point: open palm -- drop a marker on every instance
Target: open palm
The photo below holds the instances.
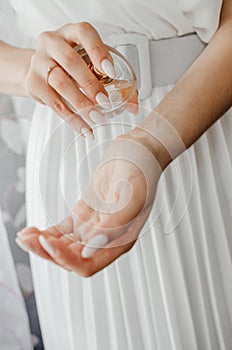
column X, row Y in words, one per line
column 107, row 220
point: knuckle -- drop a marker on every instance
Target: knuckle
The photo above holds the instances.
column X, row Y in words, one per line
column 84, row 26
column 45, row 36
column 71, row 120
column 82, row 105
column 69, row 57
column 91, row 84
column 65, row 27
column 56, row 79
column 97, row 49
column 58, row 106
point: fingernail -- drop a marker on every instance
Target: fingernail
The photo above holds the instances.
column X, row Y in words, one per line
column 23, row 246
column 87, row 133
column 96, row 117
column 46, row 245
column 108, row 68
column 93, row 245
column 103, row 100
column 23, row 230
column 19, row 234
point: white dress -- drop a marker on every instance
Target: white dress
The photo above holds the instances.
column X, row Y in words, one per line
column 172, row 291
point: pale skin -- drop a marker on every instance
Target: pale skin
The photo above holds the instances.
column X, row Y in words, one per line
column 200, row 97
column 28, row 73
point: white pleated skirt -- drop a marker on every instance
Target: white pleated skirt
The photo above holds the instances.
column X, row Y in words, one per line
column 173, row 290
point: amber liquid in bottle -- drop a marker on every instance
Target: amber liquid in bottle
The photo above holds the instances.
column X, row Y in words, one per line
column 121, row 89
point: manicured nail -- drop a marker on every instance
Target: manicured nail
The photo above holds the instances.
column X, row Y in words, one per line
column 108, row 68
column 87, row 133
column 93, row 245
column 103, row 100
column 25, row 247
column 46, row 245
column 19, row 234
column 96, row 117
column 24, row 230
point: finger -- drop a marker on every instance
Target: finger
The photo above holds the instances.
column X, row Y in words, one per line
column 84, row 216
column 101, row 234
column 29, row 240
column 86, row 35
column 66, row 87
column 133, row 106
column 53, row 100
column 68, row 255
column 31, row 237
column 101, row 228
column 33, row 244
column 133, row 231
column 76, row 67
column 125, row 235
column 106, row 256
column 63, row 247
column 63, row 252
column 30, row 243
column 62, row 228
column 116, row 248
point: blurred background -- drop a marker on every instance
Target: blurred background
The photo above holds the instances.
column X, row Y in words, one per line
column 18, row 314
column 19, row 325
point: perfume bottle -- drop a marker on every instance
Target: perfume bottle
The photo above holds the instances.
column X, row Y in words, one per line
column 122, row 88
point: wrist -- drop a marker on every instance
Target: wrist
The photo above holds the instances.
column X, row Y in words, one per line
column 15, row 63
column 160, row 137
column 26, row 55
column 156, row 148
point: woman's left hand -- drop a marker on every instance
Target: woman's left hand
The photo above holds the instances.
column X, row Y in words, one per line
column 108, row 218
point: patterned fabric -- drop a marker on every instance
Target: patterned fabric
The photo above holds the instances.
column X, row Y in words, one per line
column 13, row 139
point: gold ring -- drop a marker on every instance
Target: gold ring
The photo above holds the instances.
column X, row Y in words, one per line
column 49, row 70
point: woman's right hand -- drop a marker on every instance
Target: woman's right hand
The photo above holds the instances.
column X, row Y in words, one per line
column 57, row 70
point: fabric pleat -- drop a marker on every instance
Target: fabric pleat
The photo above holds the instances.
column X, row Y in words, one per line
column 172, row 291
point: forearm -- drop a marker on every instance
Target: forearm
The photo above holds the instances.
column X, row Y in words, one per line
column 14, row 63
column 200, row 97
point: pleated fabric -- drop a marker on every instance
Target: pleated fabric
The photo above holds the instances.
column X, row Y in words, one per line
column 172, row 291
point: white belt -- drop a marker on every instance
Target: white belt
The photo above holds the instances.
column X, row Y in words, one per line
column 157, row 62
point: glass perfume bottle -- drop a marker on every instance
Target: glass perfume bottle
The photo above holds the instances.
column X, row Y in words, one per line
column 122, row 88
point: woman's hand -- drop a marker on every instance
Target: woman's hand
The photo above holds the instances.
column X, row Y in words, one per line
column 108, row 219
column 57, row 71
column 187, row 111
